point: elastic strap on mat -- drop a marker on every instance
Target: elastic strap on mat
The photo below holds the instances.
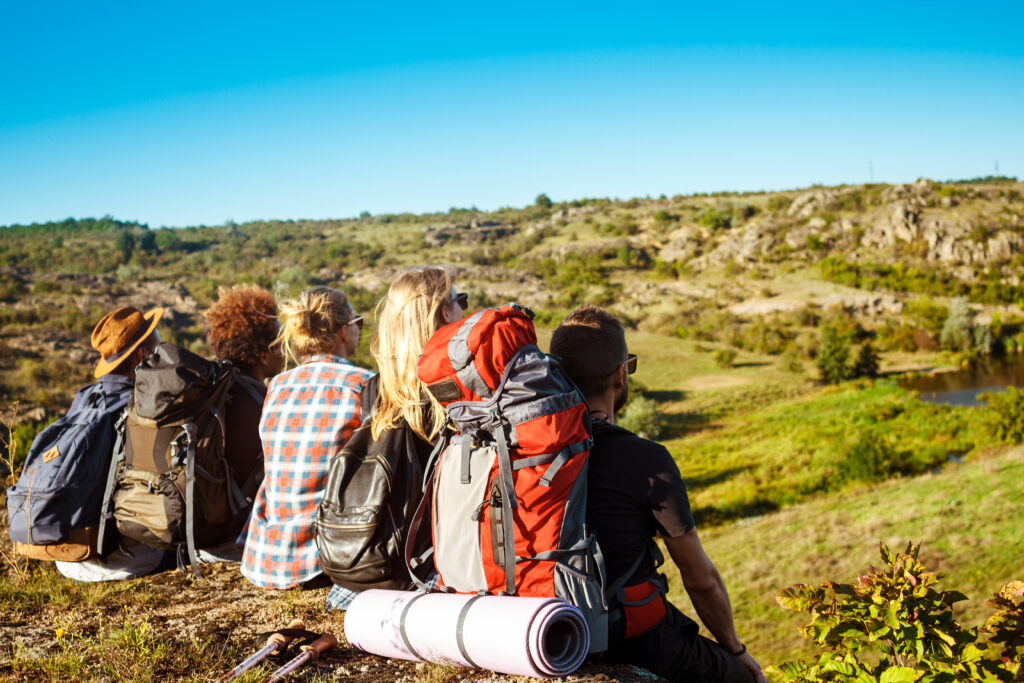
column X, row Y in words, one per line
column 401, row 626
column 459, row 631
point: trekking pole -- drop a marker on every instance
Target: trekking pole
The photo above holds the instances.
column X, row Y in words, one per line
column 309, row 653
column 275, row 643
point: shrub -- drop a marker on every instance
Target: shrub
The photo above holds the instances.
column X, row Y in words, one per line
column 893, row 626
column 960, row 333
column 1004, row 414
column 716, row 219
column 833, row 359
column 866, row 364
column 870, row 458
column 543, row 201
column 724, row 358
column 641, row 417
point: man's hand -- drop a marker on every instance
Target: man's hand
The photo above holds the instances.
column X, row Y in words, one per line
column 754, row 667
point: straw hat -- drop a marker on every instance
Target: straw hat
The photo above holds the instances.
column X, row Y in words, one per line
column 119, row 333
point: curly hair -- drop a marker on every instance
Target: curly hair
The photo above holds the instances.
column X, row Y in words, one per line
column 243, row 325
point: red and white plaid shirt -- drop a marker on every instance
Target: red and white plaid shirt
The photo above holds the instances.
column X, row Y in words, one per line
column 309, row 413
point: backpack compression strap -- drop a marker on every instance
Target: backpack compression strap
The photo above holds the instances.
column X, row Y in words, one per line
column 190, row 498
column 108, row 491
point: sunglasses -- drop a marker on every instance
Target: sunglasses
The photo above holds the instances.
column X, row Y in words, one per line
column 630, row 363
column 357, row 321
column 462, row 299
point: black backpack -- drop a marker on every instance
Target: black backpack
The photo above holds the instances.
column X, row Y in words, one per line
column 174, row 489
column 54, row 509
column 372, row 492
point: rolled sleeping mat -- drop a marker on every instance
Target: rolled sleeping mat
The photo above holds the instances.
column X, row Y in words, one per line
column 540, row 637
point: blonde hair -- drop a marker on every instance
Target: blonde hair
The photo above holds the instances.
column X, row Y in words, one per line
column 309, row 323
column 406, row 318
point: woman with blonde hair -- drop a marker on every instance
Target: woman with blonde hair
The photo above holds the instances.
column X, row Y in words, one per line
column 419, row 302
column 309, row 412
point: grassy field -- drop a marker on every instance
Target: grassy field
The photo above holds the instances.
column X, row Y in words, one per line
column 966, row 516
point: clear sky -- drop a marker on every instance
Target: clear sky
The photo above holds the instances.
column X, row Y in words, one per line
column 187, row 113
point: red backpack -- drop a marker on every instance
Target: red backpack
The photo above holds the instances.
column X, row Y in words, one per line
column 509, row 491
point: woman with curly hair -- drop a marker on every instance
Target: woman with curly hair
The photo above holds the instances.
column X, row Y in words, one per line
column 310, row 411
column 419, row 302
column 243, row 327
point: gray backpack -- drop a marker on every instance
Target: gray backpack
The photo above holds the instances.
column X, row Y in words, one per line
column 174, row 489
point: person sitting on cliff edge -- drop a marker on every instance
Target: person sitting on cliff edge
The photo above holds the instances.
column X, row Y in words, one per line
column 635, row 491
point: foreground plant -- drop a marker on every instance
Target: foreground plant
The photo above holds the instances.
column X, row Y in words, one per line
column 894, row 626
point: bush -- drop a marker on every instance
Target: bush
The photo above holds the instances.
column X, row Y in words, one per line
column 641, row 417
column 833, row 359
column 894, row 626
column 724, row 358
column 961, row 333
column 1004, row 414
column 870, row 458
column 866, row 364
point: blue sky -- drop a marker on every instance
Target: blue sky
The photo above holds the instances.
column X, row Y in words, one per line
column 191, row 113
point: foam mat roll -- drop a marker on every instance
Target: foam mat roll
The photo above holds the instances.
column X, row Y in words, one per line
column 541, row 637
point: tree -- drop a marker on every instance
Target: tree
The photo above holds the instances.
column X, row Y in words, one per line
column 958, row 330
column 125, row 243
column 834, row 355
column 867, row 361
column 543, row 201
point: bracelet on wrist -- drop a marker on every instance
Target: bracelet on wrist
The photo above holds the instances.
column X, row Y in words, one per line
column 742, row 651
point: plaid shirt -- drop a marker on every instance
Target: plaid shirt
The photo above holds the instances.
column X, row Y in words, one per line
column 309, row 413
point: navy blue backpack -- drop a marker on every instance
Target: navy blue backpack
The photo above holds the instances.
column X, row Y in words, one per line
column 54, row 509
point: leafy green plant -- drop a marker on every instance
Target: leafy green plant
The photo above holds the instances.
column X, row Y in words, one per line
column 834, row 355
column 1004, row 414
column 724, row 358
column 893, row 625
column 641, row 417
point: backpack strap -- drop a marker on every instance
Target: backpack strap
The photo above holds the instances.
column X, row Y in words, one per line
column 615, row 590
column 249, row 384
column 413, row 563
column 190, row 499
column 508, row 501
column 108, row 491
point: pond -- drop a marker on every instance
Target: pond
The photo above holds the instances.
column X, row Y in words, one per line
column 961, row 388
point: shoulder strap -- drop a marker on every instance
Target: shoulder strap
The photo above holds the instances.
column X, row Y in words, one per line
column 115, row 463
column 249, row 384
column 190, row 496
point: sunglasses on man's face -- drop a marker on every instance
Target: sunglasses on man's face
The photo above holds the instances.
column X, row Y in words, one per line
column 630, row 363
column 357, row 321
column 462, row 299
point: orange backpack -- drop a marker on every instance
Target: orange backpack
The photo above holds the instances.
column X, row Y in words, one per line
column 508, row 493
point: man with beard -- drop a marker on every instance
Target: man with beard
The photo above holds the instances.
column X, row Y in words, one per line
column 635, row 491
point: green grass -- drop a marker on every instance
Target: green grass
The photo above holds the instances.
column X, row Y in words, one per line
column 777, row 454
column 967, row 518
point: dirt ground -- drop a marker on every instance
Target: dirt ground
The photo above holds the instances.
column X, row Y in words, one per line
column 228, row 611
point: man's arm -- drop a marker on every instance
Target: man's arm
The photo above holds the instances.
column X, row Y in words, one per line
column 707, row 591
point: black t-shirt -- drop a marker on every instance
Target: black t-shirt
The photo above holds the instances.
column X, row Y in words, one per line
column 634, row 491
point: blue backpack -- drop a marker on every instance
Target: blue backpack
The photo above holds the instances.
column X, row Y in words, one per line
column 54, row 509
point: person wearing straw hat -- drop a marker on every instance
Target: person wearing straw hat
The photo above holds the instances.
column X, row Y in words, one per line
column 124, row 338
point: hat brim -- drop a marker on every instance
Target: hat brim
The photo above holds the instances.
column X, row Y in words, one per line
column 153, row 317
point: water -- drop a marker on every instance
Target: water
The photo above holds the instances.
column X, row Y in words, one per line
column 961, row 388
